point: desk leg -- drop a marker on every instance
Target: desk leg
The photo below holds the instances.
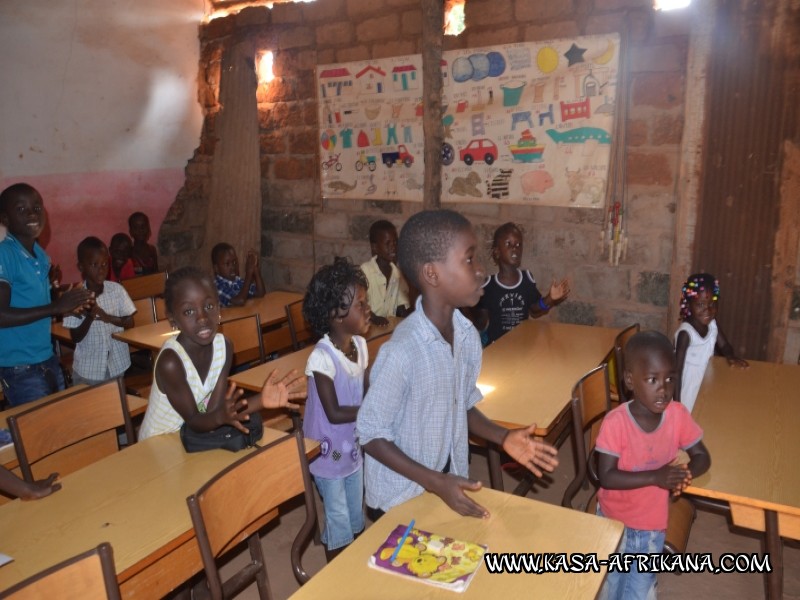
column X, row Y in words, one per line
column 774, row 548
column 495, row 470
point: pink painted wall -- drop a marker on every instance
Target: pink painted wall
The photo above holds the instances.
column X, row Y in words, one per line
column 83, row 204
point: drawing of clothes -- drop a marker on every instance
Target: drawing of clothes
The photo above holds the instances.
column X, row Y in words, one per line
column 407, row 135
column 347, row 135
column 391, row 134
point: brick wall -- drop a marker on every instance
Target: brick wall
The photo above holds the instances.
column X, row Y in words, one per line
column 301, row 232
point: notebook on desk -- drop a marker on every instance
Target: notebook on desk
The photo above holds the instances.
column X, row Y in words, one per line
column 429, row 558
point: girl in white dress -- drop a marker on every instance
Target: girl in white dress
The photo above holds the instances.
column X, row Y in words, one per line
column 698, row 337
column 190, row 382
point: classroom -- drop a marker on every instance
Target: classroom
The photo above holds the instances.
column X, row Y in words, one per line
column 287, row 129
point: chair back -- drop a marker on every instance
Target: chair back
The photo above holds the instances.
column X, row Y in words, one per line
column 301, row 333
column 145, row 312
column 160, row 306
column 375, row 344
column 245, row 335
column 590, row 403
column 88, row 576
column 619, row 360
column 146, row 285
column 239, row 500
column 71, row 431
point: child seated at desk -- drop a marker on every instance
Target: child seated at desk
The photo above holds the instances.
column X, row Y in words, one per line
column 510, row 296
column 121, row 264
column 420, row 409
column 98, row 356
column 190, row 382
column 232, row 289
column 637, row 445
column 144, row 255
column 388, row 290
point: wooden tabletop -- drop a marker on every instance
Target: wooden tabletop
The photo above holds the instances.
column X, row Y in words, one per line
column 134, row 499
column 528, row 374
column 8, row 457
column 516, row 525
column 751, row 424
column 253, row 379
column 270, row 309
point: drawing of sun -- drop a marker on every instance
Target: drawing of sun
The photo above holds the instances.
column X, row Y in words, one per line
column 547, row 59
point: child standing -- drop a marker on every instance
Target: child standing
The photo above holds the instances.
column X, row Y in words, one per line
column 121, row 250
column 698, row 336
column 510, row 296
column 335, row 306
column 191, row 371
column 420, row 408
column 637, row 445
column 232, row 289
column 98, row 356
column 28, row 367
column 144, row 255
column 388, row 290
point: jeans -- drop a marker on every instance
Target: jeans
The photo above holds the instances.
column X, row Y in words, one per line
column 343, row 503
column 26, row 383
column 633, row 585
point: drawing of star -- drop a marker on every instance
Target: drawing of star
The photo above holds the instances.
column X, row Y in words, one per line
column 574, row 55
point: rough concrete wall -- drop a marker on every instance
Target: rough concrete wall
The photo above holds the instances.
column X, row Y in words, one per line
column 301, row 232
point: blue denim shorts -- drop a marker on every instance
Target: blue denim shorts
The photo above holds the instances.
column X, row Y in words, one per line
column 633, row 585
column 343, row 503
column 26, row 383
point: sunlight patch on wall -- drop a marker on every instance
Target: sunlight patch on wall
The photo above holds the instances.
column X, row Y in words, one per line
column 223, row 8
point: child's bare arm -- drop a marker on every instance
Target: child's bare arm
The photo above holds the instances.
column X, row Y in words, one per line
column 728, row 352
column 73, row 299
column 699, row 459
column 519, row 444
column 261, row 289
column 668, row 477
column 449, row 488
column 681, row 346
column 557, row 294
column 13, row 485
column 335, row 413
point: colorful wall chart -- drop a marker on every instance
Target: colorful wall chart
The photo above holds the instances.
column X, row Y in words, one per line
column 528, row 123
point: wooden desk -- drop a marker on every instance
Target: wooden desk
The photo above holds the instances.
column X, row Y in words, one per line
column 134, row 499
column 528, row 375
column 253, row 379
column 270, row 309
column 751, row 421
column 8, row 456
column 516, row 525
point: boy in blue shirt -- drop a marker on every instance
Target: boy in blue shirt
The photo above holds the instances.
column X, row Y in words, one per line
column 28, row 368
column 232, row 289
column 420, row 409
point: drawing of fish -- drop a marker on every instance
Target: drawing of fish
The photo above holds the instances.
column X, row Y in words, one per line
column 580, row 135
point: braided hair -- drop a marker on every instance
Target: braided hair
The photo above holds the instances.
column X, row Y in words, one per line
column 696, row 283
column 330, row 293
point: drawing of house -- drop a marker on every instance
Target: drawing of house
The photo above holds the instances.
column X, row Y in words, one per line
column 335, row 82
column 404, row 78
column 370, row 79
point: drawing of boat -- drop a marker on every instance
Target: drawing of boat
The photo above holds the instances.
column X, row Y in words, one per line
column 526, row 149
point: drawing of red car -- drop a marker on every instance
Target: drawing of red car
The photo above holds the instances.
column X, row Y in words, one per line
column 480, row 150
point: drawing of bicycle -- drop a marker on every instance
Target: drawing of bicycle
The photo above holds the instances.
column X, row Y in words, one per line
column 333, row 161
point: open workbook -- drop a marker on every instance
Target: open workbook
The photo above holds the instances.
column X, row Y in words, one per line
column 429, row 558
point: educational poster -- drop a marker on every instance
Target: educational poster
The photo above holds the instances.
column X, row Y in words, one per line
column 527, row 123
column 370, row 135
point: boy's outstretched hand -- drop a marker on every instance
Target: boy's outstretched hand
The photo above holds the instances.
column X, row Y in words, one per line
column 451, row 489
column 559, row 290
column 277, row 391
column 533, row 454
column 41, row 488
column 234, row 407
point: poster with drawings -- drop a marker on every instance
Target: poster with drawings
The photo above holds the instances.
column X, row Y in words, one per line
column 525, row 123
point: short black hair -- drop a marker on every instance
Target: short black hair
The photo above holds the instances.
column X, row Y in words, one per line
column 180, row 275
column 427, row 237
column 88, row 244
column 503, row 230
column 379, row 226
column 118, row 238
column 218, row 251
column 330, row 293
column 646, row 342
column 13, row 192
column 137, row 215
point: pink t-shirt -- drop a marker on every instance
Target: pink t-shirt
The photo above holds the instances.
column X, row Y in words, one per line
column 620, row 435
